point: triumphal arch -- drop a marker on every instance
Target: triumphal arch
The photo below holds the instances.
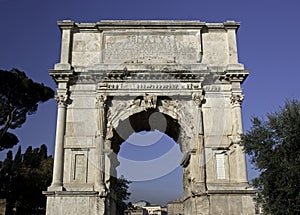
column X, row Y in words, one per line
column 182, row 78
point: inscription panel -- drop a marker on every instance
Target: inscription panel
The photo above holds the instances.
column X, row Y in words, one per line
column 153, row 86
column 152, row 47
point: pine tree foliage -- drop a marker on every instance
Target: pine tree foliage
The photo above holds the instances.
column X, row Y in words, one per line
column 274, row 147
column 19, row 97
column 23, row 179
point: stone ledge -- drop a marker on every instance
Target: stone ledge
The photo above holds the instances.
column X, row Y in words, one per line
column 229, row 192
column 147, row 24
column 159, row 67
column 71, row 193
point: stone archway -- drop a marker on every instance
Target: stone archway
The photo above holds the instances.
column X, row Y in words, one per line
column 146, row 120
column 140, row 116
column 113, row 76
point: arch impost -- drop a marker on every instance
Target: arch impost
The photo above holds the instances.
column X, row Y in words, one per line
column 108, row 151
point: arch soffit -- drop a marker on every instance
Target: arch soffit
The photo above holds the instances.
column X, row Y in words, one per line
column 123, row 113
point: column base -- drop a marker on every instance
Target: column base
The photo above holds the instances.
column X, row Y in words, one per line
column 75, row 203
column 226, row 202
column 55, row 187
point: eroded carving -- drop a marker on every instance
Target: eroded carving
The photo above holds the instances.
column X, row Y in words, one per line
column 150, row 101
column 236, row 99
column 198, row 98
column 145, row 47
column 62, row 100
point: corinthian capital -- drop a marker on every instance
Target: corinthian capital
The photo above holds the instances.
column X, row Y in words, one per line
column 236, row 99
column 61, row 100
column 198, row 98
column 100, row 101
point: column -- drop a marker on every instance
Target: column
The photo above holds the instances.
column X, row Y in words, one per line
column 236, row 101
column 237, row 131
column 100, row 157
column 198, row 151
column 61, row 98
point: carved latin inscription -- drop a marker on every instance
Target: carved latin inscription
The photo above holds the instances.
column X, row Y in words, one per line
column 161, row 47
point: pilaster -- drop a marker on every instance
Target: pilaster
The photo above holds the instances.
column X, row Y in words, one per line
column 100, row 153
column 236, row 78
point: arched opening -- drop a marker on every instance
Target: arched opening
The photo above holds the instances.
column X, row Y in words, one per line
column 151, row 160
column 148, row 152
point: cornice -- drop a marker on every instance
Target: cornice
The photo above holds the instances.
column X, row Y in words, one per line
column 66, row 24
column 146, row 24
column 230, row 24
column 61, row 75
column 150, row 24
column 121, row 76
column 234, row 75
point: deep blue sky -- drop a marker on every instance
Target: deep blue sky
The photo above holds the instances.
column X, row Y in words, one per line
column 268, row 42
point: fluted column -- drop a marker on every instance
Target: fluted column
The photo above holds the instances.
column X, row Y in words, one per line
column 57, row 181
column 237, row 131
column 100, row 157
column 198, row 151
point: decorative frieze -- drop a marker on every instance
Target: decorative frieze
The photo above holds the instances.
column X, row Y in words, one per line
column 124, row 76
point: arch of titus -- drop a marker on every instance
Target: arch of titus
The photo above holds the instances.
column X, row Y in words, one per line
column 182, row 78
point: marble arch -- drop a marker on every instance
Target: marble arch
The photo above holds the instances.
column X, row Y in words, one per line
column 180, row 77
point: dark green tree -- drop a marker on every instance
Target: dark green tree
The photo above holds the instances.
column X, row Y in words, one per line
column 18, row 160
column 23, row 180
column 274, row 147
column 19, row 97
column 121, row 192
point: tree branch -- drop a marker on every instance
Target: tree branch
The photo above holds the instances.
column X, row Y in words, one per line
column 8, row 122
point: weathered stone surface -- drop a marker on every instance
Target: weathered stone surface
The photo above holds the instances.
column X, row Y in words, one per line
column 180, row 77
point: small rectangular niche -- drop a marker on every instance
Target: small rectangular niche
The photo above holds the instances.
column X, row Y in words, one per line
column 79, row 173
column 79, row 165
